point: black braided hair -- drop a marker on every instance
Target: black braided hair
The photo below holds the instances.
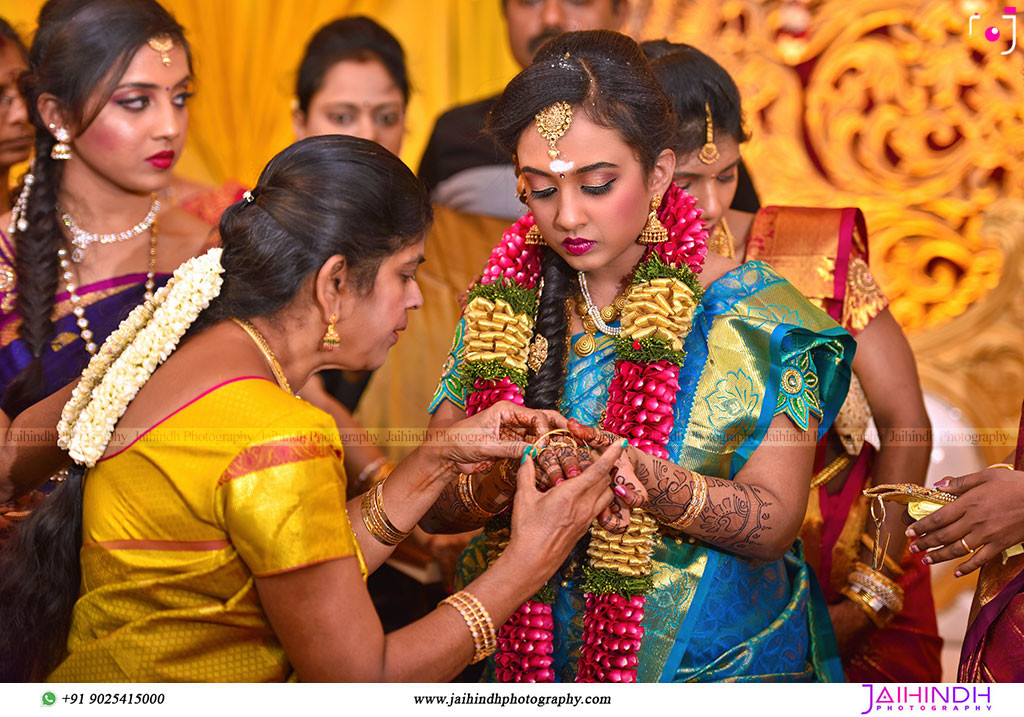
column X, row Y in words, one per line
column 80, row 51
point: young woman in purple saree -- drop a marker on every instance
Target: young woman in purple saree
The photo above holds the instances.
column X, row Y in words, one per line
column 86, row 242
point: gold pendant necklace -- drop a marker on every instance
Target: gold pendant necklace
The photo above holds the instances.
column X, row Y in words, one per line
column 587, row 343
column 268, row 354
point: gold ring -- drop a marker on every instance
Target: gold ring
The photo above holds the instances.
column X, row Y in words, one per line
column 1007, row 466
column 966, row 546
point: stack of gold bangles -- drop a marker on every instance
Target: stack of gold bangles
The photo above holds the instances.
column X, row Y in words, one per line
column 464, row 489
column 873, row 592
column 376, row 519
column 699, row 485
column 485, row 638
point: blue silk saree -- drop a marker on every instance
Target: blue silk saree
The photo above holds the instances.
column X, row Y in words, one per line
column 758, row 348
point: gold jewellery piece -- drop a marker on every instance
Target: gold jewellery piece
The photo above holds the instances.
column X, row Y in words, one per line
column 533, row 236
column 1006, row 466
column 552, row 123
column 376, row 520
column 268, row 354
column 721, row 241
column 478, row 620
column 464, row 489
column 162, row 44
column 538, row 353
column 595, row 319
column 709, row 152
column 654, row 232
column 880, row 597
column 699, row 485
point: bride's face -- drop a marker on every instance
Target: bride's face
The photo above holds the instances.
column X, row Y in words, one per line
column 592, row 201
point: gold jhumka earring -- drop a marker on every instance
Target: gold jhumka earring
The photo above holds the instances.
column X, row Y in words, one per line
column 654, row 232
column 162, row 44
column 61, row 150
column 709, row 152
column 533, row 237
column 331, row 340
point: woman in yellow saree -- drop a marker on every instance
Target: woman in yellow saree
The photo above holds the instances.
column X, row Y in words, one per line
column 215, row 539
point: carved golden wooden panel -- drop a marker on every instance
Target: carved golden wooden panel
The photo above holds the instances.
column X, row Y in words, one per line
column 898, row 108
column 887, row 105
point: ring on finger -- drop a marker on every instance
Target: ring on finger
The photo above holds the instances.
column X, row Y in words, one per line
column 967, row 547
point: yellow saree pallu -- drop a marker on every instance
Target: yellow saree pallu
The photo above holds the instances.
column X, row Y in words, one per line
column 245, row 481
column 824, row 254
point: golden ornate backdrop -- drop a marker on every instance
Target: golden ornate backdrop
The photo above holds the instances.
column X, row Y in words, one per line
column 885, row 104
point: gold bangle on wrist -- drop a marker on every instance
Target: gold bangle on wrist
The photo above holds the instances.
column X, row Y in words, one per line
column 464, row 489
column 376, row 520
column 698, row 499
column 880, row 597
column 478, row 620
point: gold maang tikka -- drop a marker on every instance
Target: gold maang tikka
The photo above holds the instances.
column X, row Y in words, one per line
column 163, row 45
column 552, row 124
column 709, row 152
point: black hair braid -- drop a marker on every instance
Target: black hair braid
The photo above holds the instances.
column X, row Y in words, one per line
column 37, row 269
column 545, row 388
column 40, row 576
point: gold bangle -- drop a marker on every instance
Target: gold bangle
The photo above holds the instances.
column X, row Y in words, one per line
column 874, row 608
column 376, row 520
column 1007, row 466
column 696, row 504
column 464, row 489
column 478, row 620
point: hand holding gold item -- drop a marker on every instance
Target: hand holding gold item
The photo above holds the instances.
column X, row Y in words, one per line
column 985, row 521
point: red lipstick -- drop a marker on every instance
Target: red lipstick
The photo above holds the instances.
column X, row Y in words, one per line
column 577, row 246
column 162, row 160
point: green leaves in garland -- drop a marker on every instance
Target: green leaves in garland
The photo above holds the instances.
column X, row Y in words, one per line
column 522, row 301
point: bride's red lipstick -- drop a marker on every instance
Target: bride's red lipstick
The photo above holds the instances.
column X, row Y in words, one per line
column 577, row 246
column 162, row 160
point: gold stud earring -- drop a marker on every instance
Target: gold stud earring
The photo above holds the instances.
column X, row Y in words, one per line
column 331, row 340
column 61, row 150
column 654, row 232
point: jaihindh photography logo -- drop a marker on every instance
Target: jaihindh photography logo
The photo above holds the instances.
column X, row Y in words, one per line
column 923, row 698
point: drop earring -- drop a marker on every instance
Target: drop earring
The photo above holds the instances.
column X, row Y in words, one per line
column 331, row 340
column 654, row 232
column 61, row 150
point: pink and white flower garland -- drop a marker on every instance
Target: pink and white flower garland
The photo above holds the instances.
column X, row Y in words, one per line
column 641, row 400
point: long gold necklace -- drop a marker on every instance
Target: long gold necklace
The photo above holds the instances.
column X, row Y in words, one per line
column 268, row 354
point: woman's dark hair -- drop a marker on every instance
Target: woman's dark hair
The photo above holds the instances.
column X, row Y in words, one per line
column 349, row 38
column 604, row 75
column 325, row 195
column 319, row 197
column 9, row 34
column 690, row 79
column 80, row 51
